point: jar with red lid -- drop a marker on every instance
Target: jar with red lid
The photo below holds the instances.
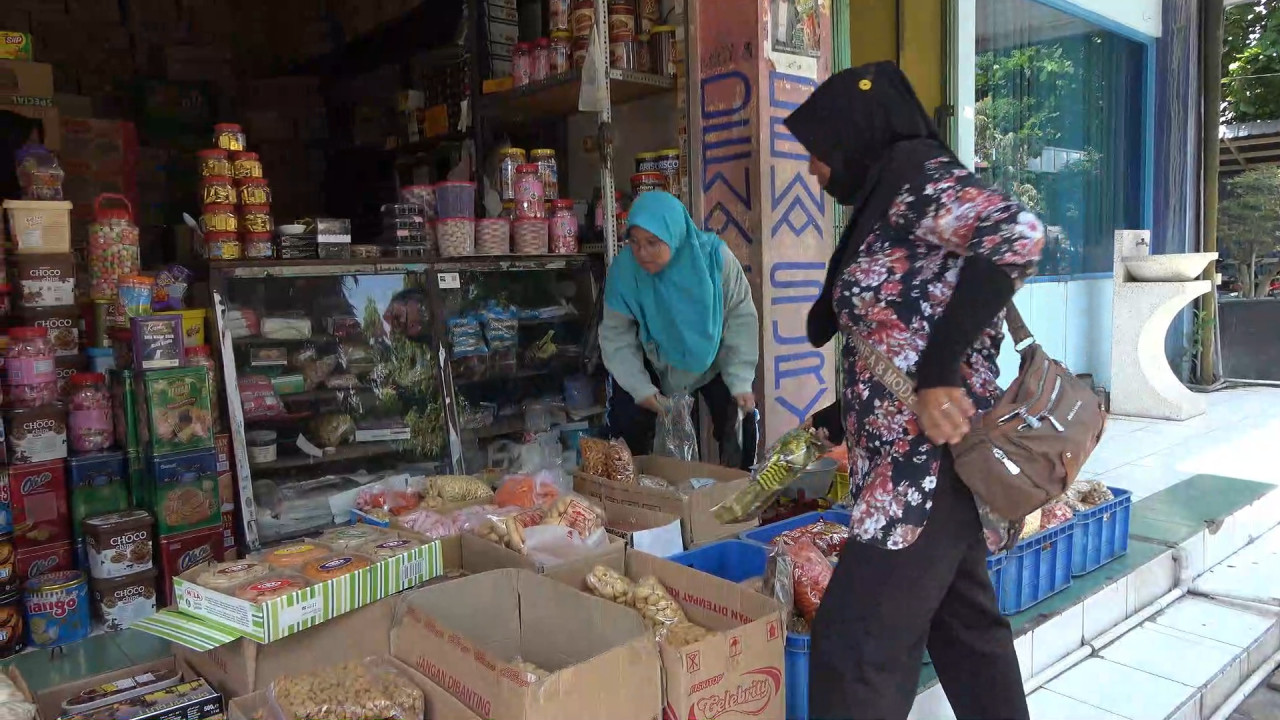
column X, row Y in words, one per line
column 559, row 53
column 564, row 227
column 214, row 162
column 617, row 204
column 256, row 219
column 217, row 190
column 219, row 219
column 113, row 246
column 222, row 245
column 541, row 59
column 89, row 425
column 229, row 136
column 529, row 194
column 254, row 191
column 644, row 182
column 245, row 165
column 522, row 64
column 257, row 245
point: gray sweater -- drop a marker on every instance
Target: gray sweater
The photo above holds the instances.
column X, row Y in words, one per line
column 624, row 355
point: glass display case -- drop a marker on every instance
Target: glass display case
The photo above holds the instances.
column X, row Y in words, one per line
column 331, row 385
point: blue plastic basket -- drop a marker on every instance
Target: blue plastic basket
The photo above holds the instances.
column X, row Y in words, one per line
column 1033, row 570
column 796, row 665
column 1101, row 534
column 765, row 535
column 733, row 560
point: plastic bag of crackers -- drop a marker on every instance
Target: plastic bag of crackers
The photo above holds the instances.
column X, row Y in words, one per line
column 650, row 598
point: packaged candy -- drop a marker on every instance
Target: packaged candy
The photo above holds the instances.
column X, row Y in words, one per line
column 89, row 421
column 785, row 460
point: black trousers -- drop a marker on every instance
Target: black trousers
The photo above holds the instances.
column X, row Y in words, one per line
column 637, row 426
column 883, row 606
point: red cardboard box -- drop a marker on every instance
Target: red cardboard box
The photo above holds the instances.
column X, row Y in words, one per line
column 180, row 553
column 37, row 561
column 40, row 505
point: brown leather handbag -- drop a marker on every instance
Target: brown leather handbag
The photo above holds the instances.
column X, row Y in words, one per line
column 1029, row 447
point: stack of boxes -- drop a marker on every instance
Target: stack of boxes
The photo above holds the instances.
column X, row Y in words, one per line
column 26, row 87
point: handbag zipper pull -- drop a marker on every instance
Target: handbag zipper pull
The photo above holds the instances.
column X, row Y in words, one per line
column 1008, row 464
column 1054, row 422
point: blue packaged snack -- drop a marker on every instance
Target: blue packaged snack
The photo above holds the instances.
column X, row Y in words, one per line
column 501, row 327
column 466, row 337
column 186, row 491
column 99, row 484
column 57, row 609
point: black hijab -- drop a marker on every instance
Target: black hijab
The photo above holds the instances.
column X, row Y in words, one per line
column 868, row 126
column 15, row 131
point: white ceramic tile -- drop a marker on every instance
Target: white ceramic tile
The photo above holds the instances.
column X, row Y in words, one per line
column 1106, row 608
column 1189, row 711
column 1023, row 646
column 1208, row 619
column 1193, row 564
column 1173, row 655
column 1049, row 705
column 1121, row 690
column 1223, row 541
column 1057, row 638
column 1251, row 573
column 1151, row 581
column 932, row 704
column 1221, row 687
column 1266, row 646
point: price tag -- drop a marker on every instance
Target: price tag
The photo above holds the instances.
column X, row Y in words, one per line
column 302, row 612
column 449, row 280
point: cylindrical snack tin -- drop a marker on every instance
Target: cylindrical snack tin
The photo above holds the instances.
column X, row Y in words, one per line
column 57, row 609
column 8, row 558
column 12, row 637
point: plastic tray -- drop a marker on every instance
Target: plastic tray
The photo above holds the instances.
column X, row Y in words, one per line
column 1033, row 570
column 765, row 535
column 1101, row 534
column 732, row 560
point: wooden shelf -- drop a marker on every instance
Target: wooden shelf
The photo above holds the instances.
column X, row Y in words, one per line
column 557, row 97
column 388, row 265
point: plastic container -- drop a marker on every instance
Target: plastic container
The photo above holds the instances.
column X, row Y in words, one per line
column 113, row 246
column 222, row 245
column 558, row 53
column 456, row 236
column 229, row 136
column 765, row 535
column 214, row 163
column 218, row 219
column 89, row 425
column 256, row 219
column 456, row 200
column 493, row 236
column 29, row 359
column 261, row 446
column 39, row 226
column 541, row 59
column 732, row 560
column 529, row 193
column 423, row 196
column 245, row 165
column 795, row 658
column 257, row 245
column 1034, row 569
column 548, row 172
column 133, row 294
column 529, row 236
column 564, row 227
column 217, row 190
column 522, row 64
column 254, row 191
column 1101, row 534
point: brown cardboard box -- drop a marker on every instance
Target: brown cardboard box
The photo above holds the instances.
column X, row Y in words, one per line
column 738, row 671
column 713, row 485
column 480, row 555
column 49, row 115
column 440, row 705
column 49, row 701
column 464, row 635
column 24, row 79
column 654, row 532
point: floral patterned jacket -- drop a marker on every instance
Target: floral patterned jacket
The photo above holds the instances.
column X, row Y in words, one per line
column 892, row 293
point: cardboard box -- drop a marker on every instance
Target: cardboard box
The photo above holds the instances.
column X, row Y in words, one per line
column 711, row 486
column 208, row 618
column 49, row 701
column 738, row 671
column 440, row 705
column 656, row 533
column 23, row 82
column 480, row 555
column 464, row 635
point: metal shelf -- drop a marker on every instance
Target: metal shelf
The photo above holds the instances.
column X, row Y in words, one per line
column 557, row 97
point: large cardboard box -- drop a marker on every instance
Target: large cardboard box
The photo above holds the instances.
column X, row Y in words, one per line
column 21, row 82
column 704, row 487
column 49, row 700
column 467, row 635
column 480, row 555
column 736, row 672
column 440, row 705
column 656, row 533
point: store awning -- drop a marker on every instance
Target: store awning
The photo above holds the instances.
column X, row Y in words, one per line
column 1246, row 145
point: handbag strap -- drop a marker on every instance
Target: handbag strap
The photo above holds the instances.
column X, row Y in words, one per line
column 901, row 385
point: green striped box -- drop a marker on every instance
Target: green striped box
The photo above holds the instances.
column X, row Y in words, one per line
column 206, row 619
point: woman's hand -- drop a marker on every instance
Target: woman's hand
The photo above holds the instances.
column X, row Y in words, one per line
column 746, row 401
column 944, row 414
column 654, row 403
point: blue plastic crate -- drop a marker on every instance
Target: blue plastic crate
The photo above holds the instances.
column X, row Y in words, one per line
column 765, row 535
column 733, row 560
column 1034, row 569
column 796, row 666
column 1101, row 534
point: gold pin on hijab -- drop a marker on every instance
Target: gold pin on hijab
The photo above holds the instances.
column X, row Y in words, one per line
column 864, row 84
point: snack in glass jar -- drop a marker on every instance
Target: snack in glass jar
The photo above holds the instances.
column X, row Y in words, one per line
column 257, row 245
column 564, row 227
column 548, row 172
column 214, row 162
column 89, row 422
column 512, row 158
column 229, row 136
column 31, row 395
column 245, row 165
column 558, row 17
column 254, row 191
column 217, row 190
column 529, row 193
column 256, row 219
column 522, row 64
column 218, row 218
column 559, row 52
column 541, row 59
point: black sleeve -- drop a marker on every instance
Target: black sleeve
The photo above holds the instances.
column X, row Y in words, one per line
column 830, row 419
column 982, row 291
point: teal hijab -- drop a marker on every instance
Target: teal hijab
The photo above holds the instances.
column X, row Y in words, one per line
column 680, row 308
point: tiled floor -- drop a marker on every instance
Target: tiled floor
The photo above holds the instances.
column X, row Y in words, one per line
column 1235, row 438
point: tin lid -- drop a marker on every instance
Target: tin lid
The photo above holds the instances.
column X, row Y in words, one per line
column 523, row 46
column 128, row 518
column 219, row 237
column 211, row 153
column 669, row 151
column 647, row 156
column 561, row 35
column 59, row 580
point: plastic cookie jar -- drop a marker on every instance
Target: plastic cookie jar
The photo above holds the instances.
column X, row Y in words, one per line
column 113, row 245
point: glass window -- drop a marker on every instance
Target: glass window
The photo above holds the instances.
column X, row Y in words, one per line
column 1058, row 121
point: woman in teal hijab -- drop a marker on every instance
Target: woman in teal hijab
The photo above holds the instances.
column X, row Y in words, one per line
column 678, row 319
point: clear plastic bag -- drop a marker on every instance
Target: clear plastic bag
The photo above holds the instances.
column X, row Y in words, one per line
column 797, row 574
column 457, row 488
column 607, row 583
column 539, row 489
column 465, row 337
column 555, row 544
column 575, row 511
column 783, row 463
column 258, row 398
column 655, row 603
column 675, row 436
column 370, row 689
column 506, row 526
column 501, row 328
column 39, row 173
column 825, row 535
column 682, row 633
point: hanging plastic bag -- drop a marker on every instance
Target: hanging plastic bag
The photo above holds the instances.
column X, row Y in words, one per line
column 676, row 436
column 783, row 463
column 591, row 95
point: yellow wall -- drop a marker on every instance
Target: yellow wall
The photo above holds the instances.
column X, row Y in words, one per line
column 909, row 32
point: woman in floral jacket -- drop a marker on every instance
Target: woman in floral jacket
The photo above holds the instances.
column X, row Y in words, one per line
column 929, row 259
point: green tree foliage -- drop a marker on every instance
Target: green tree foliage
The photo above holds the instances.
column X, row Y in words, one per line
column 1251, row 62
column 1249, row 223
